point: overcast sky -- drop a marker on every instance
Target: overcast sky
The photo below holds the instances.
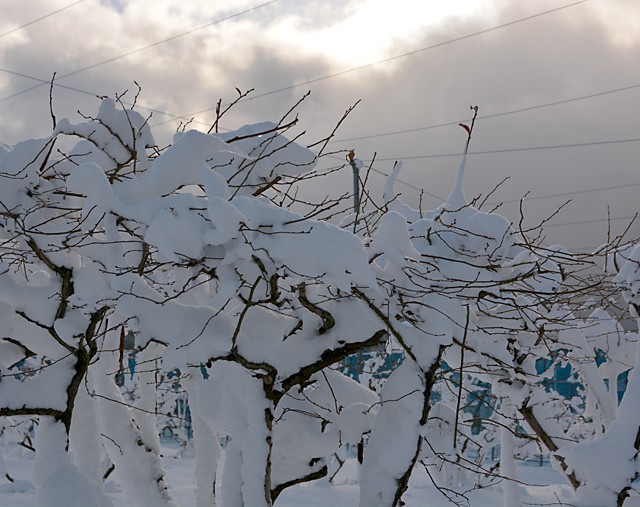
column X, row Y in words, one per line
column 544, row 73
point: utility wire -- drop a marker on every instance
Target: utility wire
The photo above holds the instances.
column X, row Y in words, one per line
column 404, row 182
column 172, row 38
column 598, row 220
column 511, row 150
column 414, row 157
column 565, row 194
column 143, row 48
column 44, row 81
column 33, row 21
column 404, row 55
column 188, row 116
column 529, row 198
column 494, row 115
column 399, row 180
column 409, row 185
column 92, row 94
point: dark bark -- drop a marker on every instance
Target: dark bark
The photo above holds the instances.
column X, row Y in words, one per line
column 268, row 417
column 625, row 492
column 313, row 476
column 327, row 319
column 545, row 438
column 327, row 358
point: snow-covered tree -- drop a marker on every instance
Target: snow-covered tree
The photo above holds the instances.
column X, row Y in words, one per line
column 250, row 299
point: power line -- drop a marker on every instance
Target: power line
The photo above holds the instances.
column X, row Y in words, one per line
column 598, row 220
column 153, row 44
column 173, row 37
column 411, row 157
column 409, row 185
column 186, row 117
column 532, row 198
column 563, row 224
column 567, row 194
column 511, row 150
column 44, row 81
column 528, row 198
column 33, row 21
column 404, row 55
column 78, row 90
column 406, row 183
column 494, row 115
column 92, row 94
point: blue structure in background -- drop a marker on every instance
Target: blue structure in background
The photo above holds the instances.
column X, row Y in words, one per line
column 352, row 365
column 565, row 380
column 480, row 403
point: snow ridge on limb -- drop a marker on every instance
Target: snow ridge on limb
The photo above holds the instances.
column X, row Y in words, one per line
column 207, row 448
column 137, row 462
column 398, row 434
column 457, row 198
column 57, row 479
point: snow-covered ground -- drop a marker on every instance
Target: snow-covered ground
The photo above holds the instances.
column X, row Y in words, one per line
column 540, row 485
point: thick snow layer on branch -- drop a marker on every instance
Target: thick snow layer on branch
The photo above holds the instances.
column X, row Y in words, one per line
column 58, row 481
column 89, row 179
column 226, row 220
column 271, row 155
column 195, row 333
column 184, row 163
column 119, row 133
column 392, row 240
column 312, row 423
column 395, row 435
column 137, row 464
column 19, row 172
column 262, row 336
column 615, row 448
column 627, row 265
column 308, row 248
column 232, row 402
column 37, row 391
column 125, row 124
